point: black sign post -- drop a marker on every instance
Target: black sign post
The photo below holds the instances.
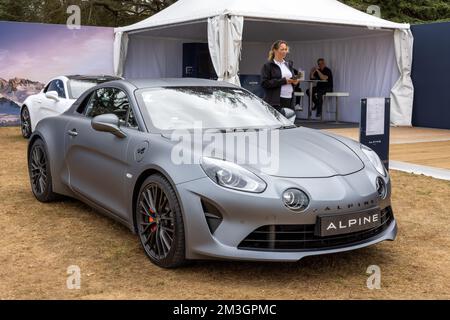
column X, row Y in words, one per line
column 374, row 129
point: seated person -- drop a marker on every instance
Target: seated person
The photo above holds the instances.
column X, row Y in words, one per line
column 321, row 72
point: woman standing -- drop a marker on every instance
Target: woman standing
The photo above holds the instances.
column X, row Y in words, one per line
column 278, row 77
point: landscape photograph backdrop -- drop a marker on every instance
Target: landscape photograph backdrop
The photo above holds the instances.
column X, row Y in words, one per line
column 31, row 54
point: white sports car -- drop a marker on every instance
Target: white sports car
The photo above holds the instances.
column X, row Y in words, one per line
column 56, row 97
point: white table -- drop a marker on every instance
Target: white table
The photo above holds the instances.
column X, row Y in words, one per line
column 337, row 95
column 311, row 84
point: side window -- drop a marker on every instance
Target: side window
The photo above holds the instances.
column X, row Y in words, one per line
column 111, row 100
column 58, row 86
column 82, row 107
column 47, row 86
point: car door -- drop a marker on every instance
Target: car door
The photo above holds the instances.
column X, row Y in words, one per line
column 50, row 107
column 39, row 101
column 97, row 161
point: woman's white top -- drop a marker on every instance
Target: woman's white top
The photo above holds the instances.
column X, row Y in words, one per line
column 286, row 90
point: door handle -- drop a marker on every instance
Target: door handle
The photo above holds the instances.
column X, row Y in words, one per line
column 73, row 133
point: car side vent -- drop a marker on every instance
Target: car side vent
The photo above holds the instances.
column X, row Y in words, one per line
column 212, row 215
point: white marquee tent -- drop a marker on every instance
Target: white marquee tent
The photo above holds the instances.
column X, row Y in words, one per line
column 369, row 56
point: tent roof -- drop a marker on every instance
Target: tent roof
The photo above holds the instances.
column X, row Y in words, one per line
column 313, row 11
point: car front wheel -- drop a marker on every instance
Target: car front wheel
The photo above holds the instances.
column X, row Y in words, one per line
column 39, row 171
column 160, row 223
column 25, row 122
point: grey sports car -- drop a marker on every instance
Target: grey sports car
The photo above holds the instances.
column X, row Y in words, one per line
column 137, row 151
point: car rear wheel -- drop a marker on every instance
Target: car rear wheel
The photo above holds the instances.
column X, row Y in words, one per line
column 25, row 123
column 39, row 171
column 160, row 223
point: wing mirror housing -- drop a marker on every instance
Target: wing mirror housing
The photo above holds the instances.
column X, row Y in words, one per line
column 52, row 95
column 289, row 113
column 108, row 123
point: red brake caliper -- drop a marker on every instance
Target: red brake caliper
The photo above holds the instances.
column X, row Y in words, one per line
column 151, row 220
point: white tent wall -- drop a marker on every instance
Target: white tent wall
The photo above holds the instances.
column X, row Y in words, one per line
column 150, row 57
column 364, row 67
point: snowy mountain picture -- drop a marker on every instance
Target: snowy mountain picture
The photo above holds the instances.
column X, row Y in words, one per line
column 13, row 93
column 31, row 54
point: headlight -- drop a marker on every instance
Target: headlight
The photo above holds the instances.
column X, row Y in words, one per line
column 381, row 187
column 374, row 159
column 296, row 200
column 233, row 176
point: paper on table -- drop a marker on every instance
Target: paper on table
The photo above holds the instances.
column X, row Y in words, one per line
column 375, row 116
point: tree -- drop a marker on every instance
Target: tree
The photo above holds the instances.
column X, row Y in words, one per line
column 418, row 11
column 115, row 13
column 108, row 13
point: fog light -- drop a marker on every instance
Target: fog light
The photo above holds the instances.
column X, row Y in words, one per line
column 295, row 200
column 381, row 188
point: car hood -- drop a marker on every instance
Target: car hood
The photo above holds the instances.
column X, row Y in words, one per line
column 301, row 153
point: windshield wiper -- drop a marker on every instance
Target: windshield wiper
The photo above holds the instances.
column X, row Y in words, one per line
column 259, row 129
column 240, row 129
column 291, row 126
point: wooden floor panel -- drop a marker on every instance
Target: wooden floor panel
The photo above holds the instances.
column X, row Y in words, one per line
column 424, row 146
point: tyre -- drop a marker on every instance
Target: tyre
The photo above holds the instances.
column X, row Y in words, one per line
column 159, row 223
column 25, row 122
column 39, row 171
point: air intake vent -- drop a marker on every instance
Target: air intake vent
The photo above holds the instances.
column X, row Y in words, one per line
column 303, row 238
column 212, row 215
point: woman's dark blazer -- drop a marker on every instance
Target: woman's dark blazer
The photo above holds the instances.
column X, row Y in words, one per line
column 272, row 82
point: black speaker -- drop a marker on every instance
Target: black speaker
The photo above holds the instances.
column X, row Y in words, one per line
column 252, row 82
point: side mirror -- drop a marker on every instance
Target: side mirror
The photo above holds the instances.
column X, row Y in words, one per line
column 289, row 113
column 52, row 95
column 108, row 123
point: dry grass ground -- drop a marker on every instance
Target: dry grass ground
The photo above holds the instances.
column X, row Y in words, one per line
column 39, row 241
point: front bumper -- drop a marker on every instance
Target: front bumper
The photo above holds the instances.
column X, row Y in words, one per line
column 243, row 213
column 215, row 250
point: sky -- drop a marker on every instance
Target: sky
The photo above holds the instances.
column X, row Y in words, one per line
column 39, row 52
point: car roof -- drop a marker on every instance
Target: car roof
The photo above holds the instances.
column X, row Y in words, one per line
column 178, row 82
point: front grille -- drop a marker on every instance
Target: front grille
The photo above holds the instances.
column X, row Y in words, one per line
column 303, row 238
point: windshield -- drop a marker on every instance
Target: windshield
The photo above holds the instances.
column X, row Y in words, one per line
column 208, row 108
column 78, row 87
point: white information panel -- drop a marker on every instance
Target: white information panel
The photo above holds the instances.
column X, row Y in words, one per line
column 375, row 116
